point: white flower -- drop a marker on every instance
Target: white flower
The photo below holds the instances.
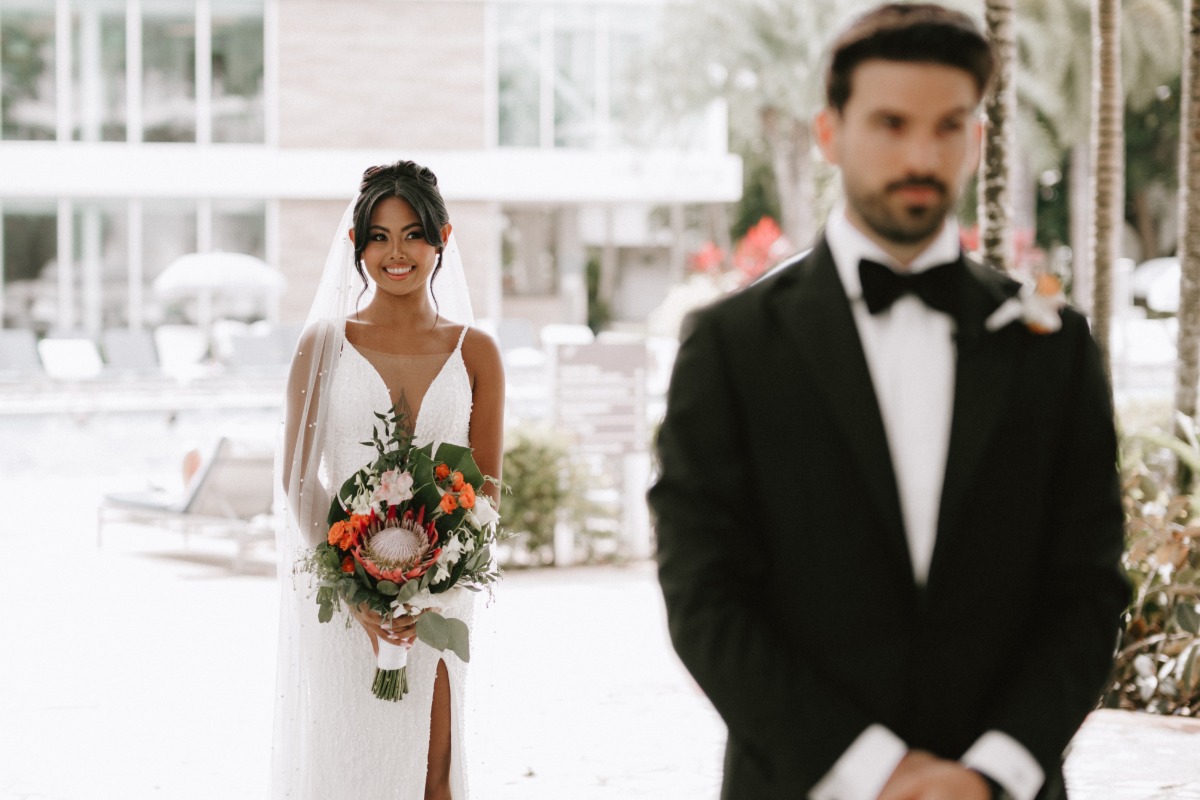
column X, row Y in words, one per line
column 1037, row 305
column 360, row 504
column 394, row 487
column 452, row 551
column 415, row 605
column 483, row 514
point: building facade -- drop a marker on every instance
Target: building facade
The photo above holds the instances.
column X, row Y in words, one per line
column 135, row 131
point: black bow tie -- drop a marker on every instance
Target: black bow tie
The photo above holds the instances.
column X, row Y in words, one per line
column 939, row 287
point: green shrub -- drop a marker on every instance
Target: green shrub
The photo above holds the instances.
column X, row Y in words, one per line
column 546, row 485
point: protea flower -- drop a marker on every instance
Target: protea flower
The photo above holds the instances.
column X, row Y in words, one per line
column 399, row 549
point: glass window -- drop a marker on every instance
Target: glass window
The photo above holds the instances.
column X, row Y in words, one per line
column 626, row 89
column 30, row 244
column 237, row 71
column 519, row 74
column 596, row 49
column 27, row 57
column 239, row 226
column 528, row 251
column 575, row 77
column 168, row 71
column 101, row 286
column 168, row 232
column 98, row 61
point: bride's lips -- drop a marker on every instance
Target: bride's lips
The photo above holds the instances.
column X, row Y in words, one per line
column 398, row 272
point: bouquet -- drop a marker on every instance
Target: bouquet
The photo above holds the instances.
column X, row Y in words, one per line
column 403, row 529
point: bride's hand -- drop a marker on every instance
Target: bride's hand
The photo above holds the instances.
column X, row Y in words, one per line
column 399, row 630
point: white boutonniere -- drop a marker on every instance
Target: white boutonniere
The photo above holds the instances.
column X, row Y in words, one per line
column 1037, row 304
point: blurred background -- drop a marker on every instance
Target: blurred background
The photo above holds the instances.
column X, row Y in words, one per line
column 171, row 173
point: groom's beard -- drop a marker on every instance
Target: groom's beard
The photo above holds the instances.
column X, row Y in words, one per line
column 900, row 221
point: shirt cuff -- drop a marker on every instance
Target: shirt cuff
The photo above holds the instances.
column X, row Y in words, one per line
column 864, row 769
column 1007, row 762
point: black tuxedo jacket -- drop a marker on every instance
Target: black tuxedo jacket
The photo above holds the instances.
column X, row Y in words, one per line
column 782, row 554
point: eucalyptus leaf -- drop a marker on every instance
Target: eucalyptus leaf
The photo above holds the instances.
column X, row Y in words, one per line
column 1188, row 618
column 460, row 641
column 433, row 630
column 326, row 612
column 388, row 587
column 408, row 591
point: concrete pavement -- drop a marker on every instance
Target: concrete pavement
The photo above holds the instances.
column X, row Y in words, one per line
column 155, row 681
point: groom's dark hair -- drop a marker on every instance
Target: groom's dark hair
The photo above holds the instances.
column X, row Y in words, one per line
column 923, row 33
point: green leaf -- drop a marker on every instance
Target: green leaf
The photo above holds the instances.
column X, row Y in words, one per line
column 326, row 612
column 408, row 591
column 1188, row 618
column 388, row 588
column 481, row 558
column 1187, row 670
column 460, row 641
column 433, row 630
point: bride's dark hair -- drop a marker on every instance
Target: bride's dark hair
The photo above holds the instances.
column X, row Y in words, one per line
column 412, row 183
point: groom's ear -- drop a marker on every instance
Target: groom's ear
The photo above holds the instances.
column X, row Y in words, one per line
column 825, row 125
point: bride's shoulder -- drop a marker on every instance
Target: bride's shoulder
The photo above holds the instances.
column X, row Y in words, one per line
column 480, row 351
column 316, row 338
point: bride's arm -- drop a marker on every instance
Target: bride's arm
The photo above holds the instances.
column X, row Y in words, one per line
column 486, row 371
column 307, row 498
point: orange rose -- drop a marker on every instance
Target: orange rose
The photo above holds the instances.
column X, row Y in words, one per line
column 466, row 498
column 448, row 503
column 441, row 472
column 458, row 482
column 347, row 564
column 345, row 533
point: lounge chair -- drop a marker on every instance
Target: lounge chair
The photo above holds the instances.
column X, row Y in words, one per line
column 129, row 352
column 70, row 358
column 19, row 360
column 230, row 496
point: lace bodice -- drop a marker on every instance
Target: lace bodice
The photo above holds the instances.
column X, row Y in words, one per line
column 345, row 742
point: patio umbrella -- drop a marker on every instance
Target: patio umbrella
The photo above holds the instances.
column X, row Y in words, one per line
column 205, row 275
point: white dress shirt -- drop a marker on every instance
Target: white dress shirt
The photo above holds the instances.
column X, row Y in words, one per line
column 910, row 353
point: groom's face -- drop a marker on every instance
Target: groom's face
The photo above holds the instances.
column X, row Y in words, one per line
column 906, row 141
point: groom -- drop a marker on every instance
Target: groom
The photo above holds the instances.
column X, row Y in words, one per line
column 889, row 535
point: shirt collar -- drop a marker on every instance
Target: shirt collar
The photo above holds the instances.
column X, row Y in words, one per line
column 849, row 245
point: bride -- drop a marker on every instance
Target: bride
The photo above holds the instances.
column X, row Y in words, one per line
column 390, row 326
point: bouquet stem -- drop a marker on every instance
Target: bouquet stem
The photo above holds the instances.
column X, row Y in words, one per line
column 391, row 671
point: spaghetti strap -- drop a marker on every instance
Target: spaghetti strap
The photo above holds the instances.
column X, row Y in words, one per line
column 462, row 336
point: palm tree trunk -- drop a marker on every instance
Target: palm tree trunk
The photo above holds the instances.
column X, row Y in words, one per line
column 1080, row 199
column 1187, row 373
column 1108, row 175
column 995, row 231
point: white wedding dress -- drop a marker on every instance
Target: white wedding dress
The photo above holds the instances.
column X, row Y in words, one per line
column 346, row 743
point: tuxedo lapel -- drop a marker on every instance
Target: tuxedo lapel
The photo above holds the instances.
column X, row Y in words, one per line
column 811, row 305
column 985, row 363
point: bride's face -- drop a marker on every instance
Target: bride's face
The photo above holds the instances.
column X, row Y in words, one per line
column 397, row 256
